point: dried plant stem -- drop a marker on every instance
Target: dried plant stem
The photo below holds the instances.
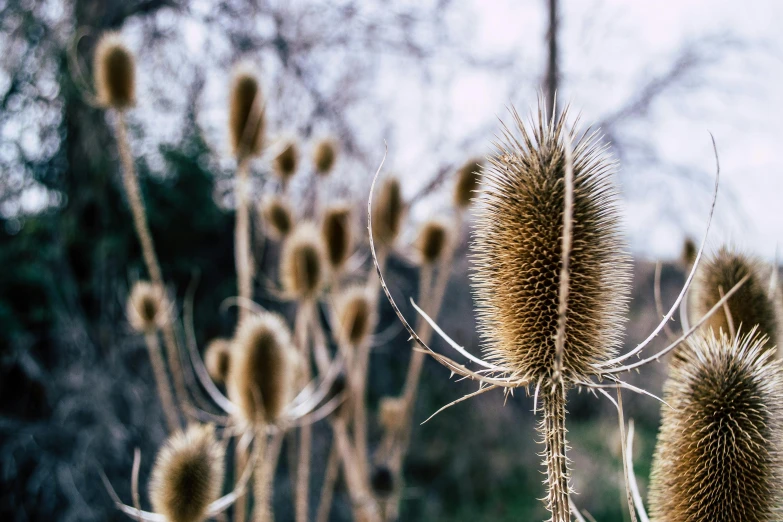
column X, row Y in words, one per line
column 240, row 461
column 330, row 479
column 140, row 223
column 303, row 327
column 264, row 477
column 553, row 429
column 161, row 381
column 364, row 507
column 242, row 253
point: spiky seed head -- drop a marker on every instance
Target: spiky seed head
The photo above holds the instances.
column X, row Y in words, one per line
column 146, row 307
column 278, row 217
column 434, row 241
column 285, row 163
column 188, row 474
column 387, row 213
column 718, row 452
column 324, row 156
column 382, row 481
column 217, row 359
column 354, row 315
column 517, row 252
column 263, row 368
column 391, row 413
column 689, row 252
column 749, row 306
column 337, row 234
column 468, row 182
column 246, row 123
column 114, row 68
column 303, row 265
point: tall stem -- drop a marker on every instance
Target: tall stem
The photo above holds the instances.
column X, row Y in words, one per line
column 242, row 254
column 161, row 381
column 303, row 325
column 552, row 72
column 553, row 430
column 264, row 477
column 330, row 479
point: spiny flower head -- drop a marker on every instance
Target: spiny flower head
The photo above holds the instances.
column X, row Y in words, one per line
column 303, row 265
column 336, row 231
column 146, row 307
column 517, row 256
column 434, row 241
column 749, row 306
column 263, row 368
column 718, row 451
column 387, row 213
column 324, row 156
column 217, row 359
column 354, row 315
column 278, row 217
column 246, row 123
column 188, row 474
column 286, row 163
column 114, row 69
column 468, row 182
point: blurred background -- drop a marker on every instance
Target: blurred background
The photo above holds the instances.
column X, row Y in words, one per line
column 432, row 79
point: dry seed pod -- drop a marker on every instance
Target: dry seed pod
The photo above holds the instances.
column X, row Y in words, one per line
column 354, row 315
column 286, row 163
column 468, row 182
column 749, row 306
column 187, row 475
column 324, row 156
column 387, row 211
column 146, row 307
column 246, row 122
column 382, row 481
column 217, row 359
column 434, row 241
column 336, row 231
column 689, row 252
column 718, row 453
column 114, row 68
column 263, row 367
column 278, row 217
column 517, row 252
column 303, row 262
column 392, row 413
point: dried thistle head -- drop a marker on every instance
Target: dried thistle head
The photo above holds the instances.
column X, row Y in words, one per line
column 387, row 213
column 188, row 474
column 517, row 252
column 718, row 451
column 246, row 121
column 749, row 306
column 217, row 359
column 354, row 315
column 278, row 217
column 324, row 156
column 468, row 182
column 146, row 307
column 391, row 413
column 336, row 231
column 263, row 368
column 114, row 68
column 286, row 163
column 303, row 266
column 434, row 241
column 689, row 251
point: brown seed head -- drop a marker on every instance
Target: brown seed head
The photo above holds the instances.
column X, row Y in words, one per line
column 336, row 231
column 434, row 241
column 382, row 481
column 114, row 69
column 246, row 124
column 468, row 182
column 387, row 211
column 286, row 162
column 391, row 413
column 354, row 315
column 689, row 252
column 718, row 451
column 146, row 307
column 517, row 252
column 324, row 156
column 749, row 306
column 278, row 217
column 303, row 265
column 187, row 475
column 217, row 359
column 263, row 368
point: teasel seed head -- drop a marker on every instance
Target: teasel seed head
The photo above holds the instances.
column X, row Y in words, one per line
column 391, row 413
column 517, row 254
column 337, row 234
column 324, row 156
column 278, row 217
column 749, row 306
column 355, row 315
column 146, row 307
column 382, row 481
column 434, row 241
column 689, row 252
column 468, row 182
column 303, row 265
column 188, row 474
column 263, row 368
column 387, row 213
column 718, row 452
column 217, row 359
column 286, row 163
column 114, row 69
column 246, row 122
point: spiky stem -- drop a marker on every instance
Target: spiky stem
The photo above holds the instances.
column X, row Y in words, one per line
column 243, row 257
column 161, row 381
column 552, row 428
